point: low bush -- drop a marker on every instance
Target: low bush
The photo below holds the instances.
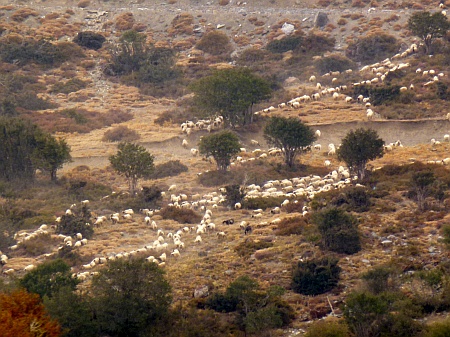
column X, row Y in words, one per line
column 76, row 223
column 333, row 62
column 215, row 43
column 169, row 169
column 285, row 44
column 330, row 327
column 339, row 230
column 291, row 226
column 120, row 133
column 379, row 279
column 248, row 247
column 41, row 244
column 150, row 194
column 263, row 203
column 438, row 329
column 90, row 40
column 181, row 215
column 372, row 47
column 72, row 85
column 315, row 277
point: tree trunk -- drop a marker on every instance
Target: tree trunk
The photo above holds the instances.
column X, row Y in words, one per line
column 53, row 176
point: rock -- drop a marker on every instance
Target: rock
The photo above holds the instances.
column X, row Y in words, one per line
column 386, row 242
column 321, row 20
column 287, row 28
column 201, row 292
column 229, row 272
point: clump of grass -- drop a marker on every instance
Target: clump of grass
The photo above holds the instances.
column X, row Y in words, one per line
column 248, row 247
column 71, row 85
column 169, row 169
column 289, row 226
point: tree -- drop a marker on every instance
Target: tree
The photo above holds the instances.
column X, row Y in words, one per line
column 423, row 185
column 51, row 154
column 22, row 314
column 290, row 135
column 222, row 146
column 358, row 147
column 428, row 26
column 129, row 297
column 339, row 230
column 48, row 278
column 19, row 143
column 134, row 162
column 230, row 93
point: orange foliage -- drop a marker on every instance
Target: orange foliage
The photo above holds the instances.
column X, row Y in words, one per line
column 23, row 314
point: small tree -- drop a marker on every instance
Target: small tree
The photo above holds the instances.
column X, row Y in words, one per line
column 424, row 185
column 48, row 278
column 428, row 26
column 234, row 194
column 231, row 93
column 291, row 135
column 130, row 297
column 358, row 147
column 134, row 162
column 316, row 276
column 222, row 146
column 51, row 154
column 339, row 230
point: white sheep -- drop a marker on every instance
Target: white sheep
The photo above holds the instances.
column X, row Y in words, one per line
column 369, row 114
column 194, row 152
column 175, row 253
column 184, row 143
column 237, row 205
column 198, row 239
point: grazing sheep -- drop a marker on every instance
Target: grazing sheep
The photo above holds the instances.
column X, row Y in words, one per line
column 198, row 239
column 221, row 235
column 247, row 230
column 237, row 205
column 369, row 114
column 446, row 138
column 254, row 142
column 228, row 222
column 184, row 143
column 175, row 253
column 194, row 152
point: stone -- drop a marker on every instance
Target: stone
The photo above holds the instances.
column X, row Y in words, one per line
column 321, row 20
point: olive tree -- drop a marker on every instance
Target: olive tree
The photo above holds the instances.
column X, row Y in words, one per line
column 230, row 93
column 51, row 154
column 291, row 135
column 358, row 147
column 134, row 162
column 222, row 146
column 428, row 26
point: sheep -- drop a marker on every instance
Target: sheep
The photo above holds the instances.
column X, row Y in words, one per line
column 237, row 205
column 369, row 114
column 29, row 267
column 228, row 222
column 317, row 133
column 327, row 163
column 312, row 78
column 254, row 142
column 243, row 224
column 175, row 253
column 285, row 202
column 446, row 138
column 79, row 236
column 247, row 230
column 275, row 210
column 128, row 211
column 99, row 220
column 198, row 239
column 221, row 235
column 194, row 152
column 184, row 143
column 172, row 188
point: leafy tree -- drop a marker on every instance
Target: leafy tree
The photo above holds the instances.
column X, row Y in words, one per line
column 222, row 146
column 428, row 26
column 48, row 278
column 51, row 154
column 22, row 314
column 339, row 230
column 71, row 224
column 73, row 311
column 358, row 147
column 291, row 135
column 134, row 162
column 20, row 144
column 230, row 93
column 130, row 297
column 316, row 276
column 215, row 43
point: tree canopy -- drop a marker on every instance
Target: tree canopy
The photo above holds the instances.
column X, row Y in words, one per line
column 222, row 146
column 230, row 93
column 358, row 147
column 129, row 297
column 290, row 135
column 51, row 154
column 428, row 26
column 134, row 162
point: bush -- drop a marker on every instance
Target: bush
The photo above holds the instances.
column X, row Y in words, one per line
column 334, row 62
column 289, row 226
column 330, row 327
column 120, row 134
column 215, row 43
column 339, row 230
column 263, row 203
column 358, row 199
column 39, row 245
column 234, row 194
column 73, row 224
column 316, row 276
column 168, row 169
column 379, row 279
column 90, row 40
column 71, row 85
column 180, row 215
column 248, row 247
column 151, row 194
column 285, row 44
column 373, row 47
column 438, row 329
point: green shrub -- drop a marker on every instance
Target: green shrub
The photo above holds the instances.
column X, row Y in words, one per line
column 438, row 329
column 234, row 194
column 90, row 40
column 73, row 224
column 72, row 85
column 379, row 279
column 358, row 199
column 330, row 327
column 263, row 203
column 334, row 62
column 215, row 43
column 180, row 215
column 169, row 169
column 151, row 194
column 120, row 133
column 248, row 247
column 222, row 302
column 339, row 230
column 316, row 276
column 29, row 101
